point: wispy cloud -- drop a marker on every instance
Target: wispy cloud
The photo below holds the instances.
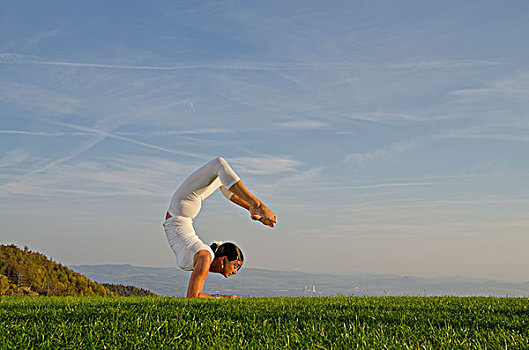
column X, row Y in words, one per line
column 205, row 131
column 392, row 118
column 374, row 186
column 418, row 203
column 125, row 176
column 33, row 97
column 301, row 177
column 515, row 86
column 16, row 58
column 303, row 124
column 509, row 130
column 11, row 158
column 12, row 57
column 264, row 165
column 444, row 64
column 26, row 182
column 438, row 230
column 103, row 134
column 385, row 153
column 488, row 136
column 44, row 133
column 83, row 147
column 43, row 35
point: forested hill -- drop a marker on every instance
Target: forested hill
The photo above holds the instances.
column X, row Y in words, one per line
column 129, row 291
column 23, row 272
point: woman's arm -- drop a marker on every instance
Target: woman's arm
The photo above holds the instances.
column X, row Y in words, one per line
column 202, row 261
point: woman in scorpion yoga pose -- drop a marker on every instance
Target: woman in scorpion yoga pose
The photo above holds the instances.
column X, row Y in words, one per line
column 191, row 253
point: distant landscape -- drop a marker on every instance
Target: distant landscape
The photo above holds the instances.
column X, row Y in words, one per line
column 168, row 281
column 24, row 272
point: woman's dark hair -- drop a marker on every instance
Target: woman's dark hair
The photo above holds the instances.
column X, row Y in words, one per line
column 228, row 249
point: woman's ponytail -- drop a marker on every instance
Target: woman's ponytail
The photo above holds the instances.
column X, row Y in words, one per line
column 215, row 246
column 228, row 249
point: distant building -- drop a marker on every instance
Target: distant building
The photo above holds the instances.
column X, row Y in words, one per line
column 308, row 289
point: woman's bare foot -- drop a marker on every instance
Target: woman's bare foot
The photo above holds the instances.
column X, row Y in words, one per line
column 258, row 211
column 263, row 214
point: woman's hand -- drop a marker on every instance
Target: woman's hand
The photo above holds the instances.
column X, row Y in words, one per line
column 224, row 296
column 230, row 296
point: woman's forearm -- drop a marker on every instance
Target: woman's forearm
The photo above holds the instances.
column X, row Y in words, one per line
column 202, row 261
column 204, row 295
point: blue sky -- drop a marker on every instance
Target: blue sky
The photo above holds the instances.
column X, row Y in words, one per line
column 388, row 137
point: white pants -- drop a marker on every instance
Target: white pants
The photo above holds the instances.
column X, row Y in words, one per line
column 185, row 205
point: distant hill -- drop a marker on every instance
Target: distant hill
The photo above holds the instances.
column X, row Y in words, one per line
column 171, row 281
column 23, row 272
column 128, row 291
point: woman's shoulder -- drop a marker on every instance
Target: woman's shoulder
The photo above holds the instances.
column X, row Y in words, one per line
column 204, row 255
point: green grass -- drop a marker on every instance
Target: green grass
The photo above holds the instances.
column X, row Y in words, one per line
column 274, row 323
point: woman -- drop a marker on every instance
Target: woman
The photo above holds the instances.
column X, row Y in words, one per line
column 191, row 253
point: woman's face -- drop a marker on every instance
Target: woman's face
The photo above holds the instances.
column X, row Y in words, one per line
column 231, row 267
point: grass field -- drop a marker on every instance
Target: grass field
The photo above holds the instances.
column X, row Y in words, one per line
column 273, row 323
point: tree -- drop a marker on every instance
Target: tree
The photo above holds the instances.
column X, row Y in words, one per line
column 30, row 273
column 4, row 284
